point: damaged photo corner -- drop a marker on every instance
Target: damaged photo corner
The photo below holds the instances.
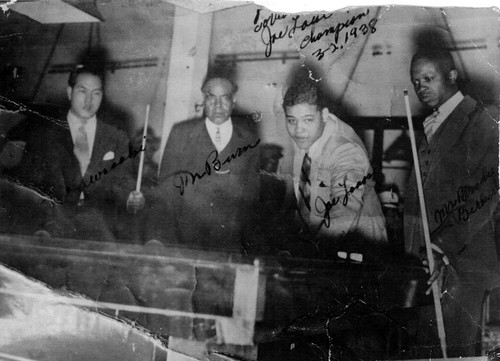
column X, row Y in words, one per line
column 249, row 181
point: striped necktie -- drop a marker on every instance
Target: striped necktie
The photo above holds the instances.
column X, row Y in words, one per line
column 429, row 123
column 305, row 183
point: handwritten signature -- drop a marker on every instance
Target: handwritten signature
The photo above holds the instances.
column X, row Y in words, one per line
column 463, row 193
column 132, row 153
column 270, row 35
column 363, row 29
column 324, row 207
column 465, row 213
column 183, row 178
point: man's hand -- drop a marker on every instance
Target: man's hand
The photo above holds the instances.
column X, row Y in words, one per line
column 135, row 202
column 437, row 274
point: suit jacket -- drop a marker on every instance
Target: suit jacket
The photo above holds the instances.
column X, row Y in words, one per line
column 213, row 208
column 51, row 165
column 459, row 171
column 340, row 164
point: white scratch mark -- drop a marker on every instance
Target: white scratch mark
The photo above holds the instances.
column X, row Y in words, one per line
column 5, row 7
column 487, row 62
column 9, row 35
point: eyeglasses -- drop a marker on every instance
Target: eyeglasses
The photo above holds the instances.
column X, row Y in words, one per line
column 225, row 99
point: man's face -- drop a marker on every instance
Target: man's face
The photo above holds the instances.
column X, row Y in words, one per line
column 85, row 96
column 219, row 100
column 431, row 85
column 304, row 124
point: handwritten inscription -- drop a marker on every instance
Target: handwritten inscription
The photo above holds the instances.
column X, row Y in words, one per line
column 132, row 153
column 463, row 194
column 182, row 178
column 354, row 32
column 277, row 26
column 465, row 213
column 325, row 207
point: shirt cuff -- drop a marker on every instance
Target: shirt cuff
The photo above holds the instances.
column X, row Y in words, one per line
column 436, row 249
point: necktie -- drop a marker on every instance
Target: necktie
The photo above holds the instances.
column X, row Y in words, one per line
column 305, row 183
column 429, row 123
column 218, row 137
column 81, row 149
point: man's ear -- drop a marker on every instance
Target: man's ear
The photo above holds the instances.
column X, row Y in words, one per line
column 69, row 90
column 452, row 76
column 325, row 113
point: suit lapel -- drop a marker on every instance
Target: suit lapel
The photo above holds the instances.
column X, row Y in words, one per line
column 201, row 138
column 453, row 127
column 198, row 147
column 96, row 157
column 66, row 139
column 72, row 169
column 330, row 128
column 235, row 141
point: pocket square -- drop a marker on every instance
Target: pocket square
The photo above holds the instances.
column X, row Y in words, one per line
column 109, row 156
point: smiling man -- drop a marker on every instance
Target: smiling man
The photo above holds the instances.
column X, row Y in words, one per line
column 458, row 158
column 333, row 179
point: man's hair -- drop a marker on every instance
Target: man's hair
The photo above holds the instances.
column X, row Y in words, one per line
column 304, row 91
column 234, row 87
column 441, row 57
column 85, row 69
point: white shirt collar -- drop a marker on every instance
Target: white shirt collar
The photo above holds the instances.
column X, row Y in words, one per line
column 90, row 128
column 226, row 131
column 446, row 109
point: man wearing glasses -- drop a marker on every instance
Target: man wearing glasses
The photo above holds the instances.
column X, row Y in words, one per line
column 209, row 176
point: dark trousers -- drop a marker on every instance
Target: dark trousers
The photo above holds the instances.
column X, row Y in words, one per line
column 462, row 306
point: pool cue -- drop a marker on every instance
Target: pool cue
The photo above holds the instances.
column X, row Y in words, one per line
column 427, row 235
column 143, row 147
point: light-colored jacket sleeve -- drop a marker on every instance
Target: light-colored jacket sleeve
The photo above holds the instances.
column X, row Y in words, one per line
column 344, row 200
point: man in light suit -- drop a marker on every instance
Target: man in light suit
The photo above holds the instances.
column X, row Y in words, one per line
column 82, row 163
column 209, row 176
column 333, row 179
column 459, row 166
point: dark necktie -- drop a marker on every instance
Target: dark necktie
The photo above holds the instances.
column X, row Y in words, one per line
column 305, row 183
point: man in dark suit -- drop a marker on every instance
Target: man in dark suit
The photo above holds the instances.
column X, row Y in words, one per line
column 82, row 163
column 209, row 176
column 459, row 164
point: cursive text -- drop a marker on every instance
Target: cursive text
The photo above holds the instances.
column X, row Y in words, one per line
column 463, row 193
column 324, row 207
column 132, row 153
column 276, row 26
column 182, row 179
column 337, row 44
